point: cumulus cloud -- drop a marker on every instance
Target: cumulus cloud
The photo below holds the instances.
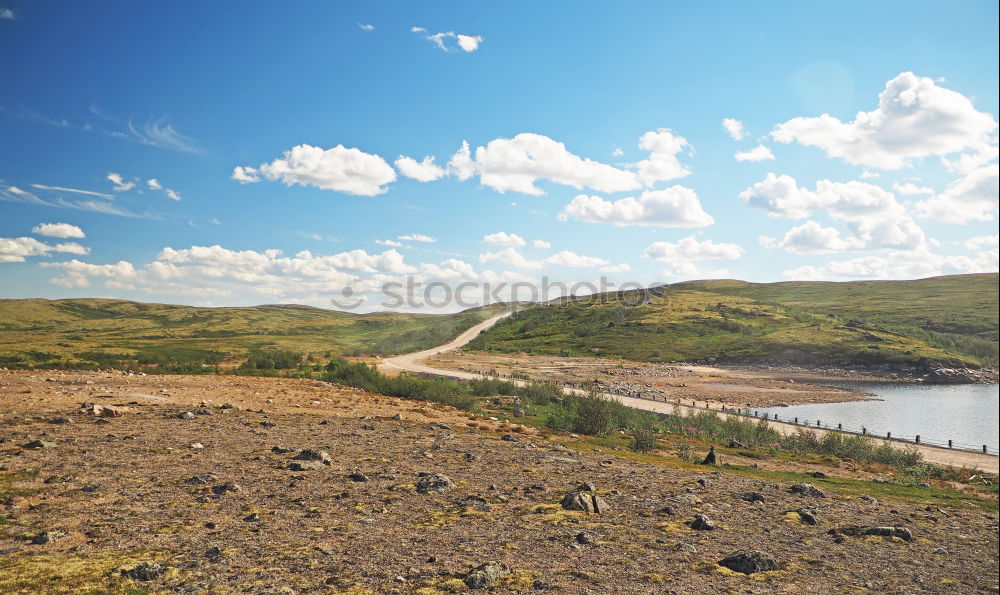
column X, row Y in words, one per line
column 982, row 242
column 813, row 238
column 663, row 146
column 541, row 244
column 510, row 256
column 896, row 265
column 517, row 163
column 78, row 273
column 758, row 153
column 390, row 243
column 422, row 171
column 872, row 215
column 417, row 237
column 449, row 41
column 119, row 184
column 676, row 206
column 245, row 175
column 501, row 238
column 341, row 169
column 154, row 184
column 366, row 26
column 970, row 198
column 692, row 249
column 18, row 249
column 915, row 118
column 567, row 258
column 910, row 189
column 58, row 230
column 734, row 128
column 616, row 268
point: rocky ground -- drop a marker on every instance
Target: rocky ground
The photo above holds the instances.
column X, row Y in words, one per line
column 734, row 387
column 334, row 490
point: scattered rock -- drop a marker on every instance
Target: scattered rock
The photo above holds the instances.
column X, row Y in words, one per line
column 702, row 523
column 509, row 438
column 753, row 497
column 60, row 420
column 585, row 537
column 487, row 575
column 807, row 516
column 858, row 531
column 144, row 571
column 686, row 548
column 434, row 483
column 750, row 562
column 868, row 498
column 252, row 518
column 357, row 476
column 38, row 444
column 586, row 499
column 224, row 488
column 49, row 536
column 305, row 466
column 518, row 412
column 203, row 479
column 807, row 489
column 314, row 455
column 186, row 415
column 196, row 445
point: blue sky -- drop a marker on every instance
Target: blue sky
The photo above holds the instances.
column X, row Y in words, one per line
column 866, row 134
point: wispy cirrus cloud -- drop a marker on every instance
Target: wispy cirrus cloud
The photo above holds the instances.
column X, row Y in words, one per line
column 54, row 199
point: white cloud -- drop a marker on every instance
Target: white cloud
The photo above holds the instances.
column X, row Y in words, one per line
column 982, row 242
column 517, row 163
column 77, row 272
column 245, row 175
column 171, row 194
column 154, row 184
column 572, row 259
column 511, row 257
column 676, row 206
column 780, row 196
column 351, row 171
column 663, row 146
column 73, row 190
column 390, row 243
column 970, row 198
column 915, row 118
column 158, row 133
column 868, row 174
column 541, row 244
column 17, row 249
column 417, row 237
column 501, row 238
column 813, row 238
column 58, row 230
column 616, row 268
column 910, row 189
column 422, row 171
column 449, row 41
column 896, row 265
column 873, row 217
column 734, row 128
column 366, row 26
column 692, row 249
column 120, row 185
column 8, row 14
column 758, row 153
column 469, row 43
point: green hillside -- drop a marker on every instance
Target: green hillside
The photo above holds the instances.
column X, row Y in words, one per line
column 943, row 320
column 101, row 332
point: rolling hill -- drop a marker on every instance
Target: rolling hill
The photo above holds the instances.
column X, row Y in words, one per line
column 88, row 333
column 948, row 321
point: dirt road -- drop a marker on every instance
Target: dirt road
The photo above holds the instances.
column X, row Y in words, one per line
column 411, row 362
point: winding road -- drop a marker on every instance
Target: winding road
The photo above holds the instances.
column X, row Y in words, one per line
column 412, row 362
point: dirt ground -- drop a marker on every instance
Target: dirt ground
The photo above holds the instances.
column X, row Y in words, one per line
column 232, row 516
column 733, row 387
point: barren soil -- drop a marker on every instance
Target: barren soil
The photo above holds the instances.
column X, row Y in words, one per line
column 733, row 387
column 121, row 489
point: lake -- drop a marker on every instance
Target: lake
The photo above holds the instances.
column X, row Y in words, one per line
column 964, row 413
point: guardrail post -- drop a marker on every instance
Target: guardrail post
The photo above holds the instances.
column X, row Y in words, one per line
column 918, row 439
column 984, row 450
column 888, row 434
column 817, row 423
column 840, row 426
column 864, row 430
column 949, row 444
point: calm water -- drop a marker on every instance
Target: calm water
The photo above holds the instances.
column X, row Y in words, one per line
column 964, row 413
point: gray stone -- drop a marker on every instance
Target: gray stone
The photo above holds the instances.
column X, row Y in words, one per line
column 144, row 571
column 807, row 489
column 38, row 444
column 487, row 575
column 750, row 562
column 434, row 483
column 314, row 455
column 702, row 523
column 585, row 500
column 46, row 537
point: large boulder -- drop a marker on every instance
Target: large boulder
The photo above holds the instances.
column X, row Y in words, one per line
column 486, row 575
column 585, row 498
column 702, row 523
column 434, row 483
column 807, row 489
column 750, row 562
